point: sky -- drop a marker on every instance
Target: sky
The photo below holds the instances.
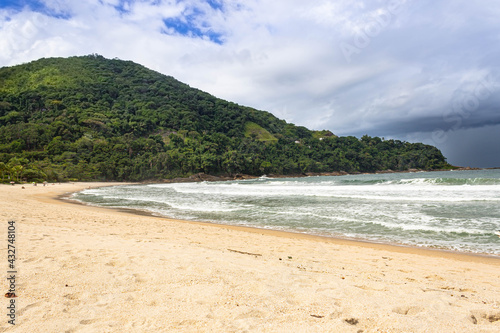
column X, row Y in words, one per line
column 413, row 70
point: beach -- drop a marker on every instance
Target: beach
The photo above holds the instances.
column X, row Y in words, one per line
column 91, row 269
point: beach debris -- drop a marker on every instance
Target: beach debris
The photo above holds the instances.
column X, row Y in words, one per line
column 10, row 295
column 243, row 252
column 316, row 316
column 497, row 233
column 351, row 321
column 289, row 257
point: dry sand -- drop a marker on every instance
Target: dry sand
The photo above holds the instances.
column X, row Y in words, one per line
column 89, row 269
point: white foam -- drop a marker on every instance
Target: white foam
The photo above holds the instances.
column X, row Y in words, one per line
column 423, row 211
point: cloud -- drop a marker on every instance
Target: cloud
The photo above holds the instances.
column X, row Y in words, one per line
column 392, row 68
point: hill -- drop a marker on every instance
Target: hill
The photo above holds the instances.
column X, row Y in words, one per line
column 92, row 118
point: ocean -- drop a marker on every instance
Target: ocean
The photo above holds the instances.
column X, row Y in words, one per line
column 450, row 210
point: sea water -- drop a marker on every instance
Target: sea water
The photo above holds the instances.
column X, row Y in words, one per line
column 453, row 210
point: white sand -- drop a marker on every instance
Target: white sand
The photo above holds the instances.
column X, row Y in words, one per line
column 89, row 269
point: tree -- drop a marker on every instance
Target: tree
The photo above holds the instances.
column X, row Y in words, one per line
column 3, row 170
column 16, row 167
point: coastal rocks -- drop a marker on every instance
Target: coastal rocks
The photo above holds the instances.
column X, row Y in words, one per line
column 203, row 177
column 467, row 168
column 334, row 173
column 242, row 176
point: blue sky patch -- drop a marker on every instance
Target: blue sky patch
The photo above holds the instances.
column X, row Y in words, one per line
column 13, row 4
column 216, row 4
column 189, row 29
column 34, row 5
column 190, row 26
column 121, row 7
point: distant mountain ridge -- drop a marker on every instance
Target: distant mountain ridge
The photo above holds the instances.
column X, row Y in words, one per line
column 92, row 118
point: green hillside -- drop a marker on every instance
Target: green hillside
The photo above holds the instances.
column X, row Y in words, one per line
column 259, row 133
column 91, row 118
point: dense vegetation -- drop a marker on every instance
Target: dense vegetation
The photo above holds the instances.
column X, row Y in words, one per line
column 91, row 118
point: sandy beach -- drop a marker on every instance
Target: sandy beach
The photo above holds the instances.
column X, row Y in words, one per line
column 89, row 269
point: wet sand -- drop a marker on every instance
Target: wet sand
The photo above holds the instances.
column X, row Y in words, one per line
column 91, row 269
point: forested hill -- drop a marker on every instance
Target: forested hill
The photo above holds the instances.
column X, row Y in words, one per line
column 91, row 118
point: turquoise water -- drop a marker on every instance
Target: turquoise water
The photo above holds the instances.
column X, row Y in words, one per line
column 455, row 210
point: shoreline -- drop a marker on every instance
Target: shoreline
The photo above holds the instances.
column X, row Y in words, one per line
column 396, row 247
column 99, row 269
column 200, row 177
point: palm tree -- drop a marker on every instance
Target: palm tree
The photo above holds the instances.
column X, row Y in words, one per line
column 3, row 169
column 17, row 171
column 15, row 167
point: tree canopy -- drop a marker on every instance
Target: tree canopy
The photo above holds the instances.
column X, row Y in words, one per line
column 92, row 118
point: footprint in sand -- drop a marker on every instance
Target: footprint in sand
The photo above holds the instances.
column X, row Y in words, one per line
column 139, row 278
column 407, row 310
column 32, row 305
column 481, row 317
column 75, row 296
column 251, row 314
